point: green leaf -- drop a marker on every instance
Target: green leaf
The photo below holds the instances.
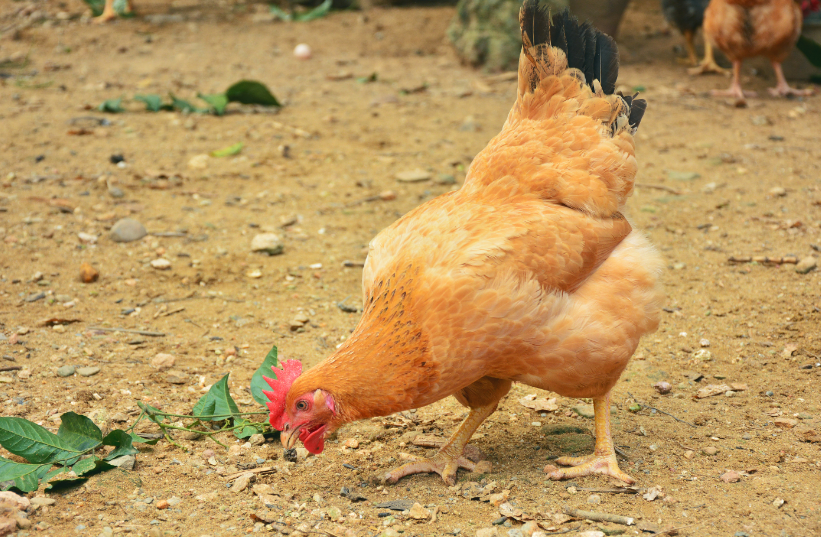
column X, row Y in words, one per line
column 34, row 443
column 228, row 151
column 140, row 440
column 284, row 15
column 122, row 442
column 247, row 430
column 217, row 402
column 367, row 79
column 91, row 465
column 26, row 477
column 96, row 6
column 184, row 106
column 251, row 92
column 257, row 383
column 68, row 483
column 218, row 102
column 113, row 106
column 153, row 102
column 318, row 12
column 79, row 431
column 153, row 414
column 811, row 49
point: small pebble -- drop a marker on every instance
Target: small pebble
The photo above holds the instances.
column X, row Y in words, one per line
column 66, row 371
column 161, row 264
column 806, row 265
column 662, row 387
column 127, row 230
column 88, row 371
column 594, row 499
column 268, row 243
column 730, row 476
column 709, row 450
column 302, row 52
column 88, row 274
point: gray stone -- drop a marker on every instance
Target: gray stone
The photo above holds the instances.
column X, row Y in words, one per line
column 126, row 462
column 585, row 411
column 269, row 243
column 89, row 371
column 65, row 371
column 127, row 230
column 413, row 176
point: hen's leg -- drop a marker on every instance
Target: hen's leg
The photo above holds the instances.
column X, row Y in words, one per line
column 450, row 457
column 603, row 460
column 692, row 59
column 107, row 14
column 782, row 89
column 735, row 87
column 708, row 64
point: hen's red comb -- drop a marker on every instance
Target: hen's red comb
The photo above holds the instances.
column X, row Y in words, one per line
column 291, row 369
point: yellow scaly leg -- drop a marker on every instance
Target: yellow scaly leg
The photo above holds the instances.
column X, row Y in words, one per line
column 450, row 456
column 603, row 459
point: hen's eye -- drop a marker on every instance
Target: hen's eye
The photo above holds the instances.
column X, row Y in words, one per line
column 301, row 405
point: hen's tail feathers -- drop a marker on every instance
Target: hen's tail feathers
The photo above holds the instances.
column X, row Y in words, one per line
column 592, row 53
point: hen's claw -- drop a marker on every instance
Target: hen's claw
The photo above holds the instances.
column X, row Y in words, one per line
column 589, row 465
column 441, row 464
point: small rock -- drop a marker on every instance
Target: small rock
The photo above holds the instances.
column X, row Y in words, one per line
column 594, row 499
column 704, row 355
column 34, row 297
column 268, row 243
column 163, row 361
column 207, row 497
column 163, row 504
column 66, row 371
column 585, row 411
column 806, row 265
column 730, row 476
column 87, row 238
column 126, row 462
column 302, row 51
column 417, row 512
column 778, row 192
column 257, row 439
column 199, row 162
column 127, row 230
column 88, row 274
column 709, row 450
column 161, row 264
column 785, row 423
column 89, row 371
column 591, row 533
column 663, row 387
column 20, row 502
column 387, row 195
column 778, row 502
column 41, row 501
column 352, row 443
column 242, row 482
column 529, row 528
column 413, row 176
column 7, row 526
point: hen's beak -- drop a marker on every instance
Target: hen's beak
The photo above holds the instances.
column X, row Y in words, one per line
column 289, row 437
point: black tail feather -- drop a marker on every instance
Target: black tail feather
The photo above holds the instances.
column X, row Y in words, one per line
column 592, row 52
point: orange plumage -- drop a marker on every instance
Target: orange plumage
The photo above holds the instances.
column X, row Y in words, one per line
column 748, row 28
column 529, row 273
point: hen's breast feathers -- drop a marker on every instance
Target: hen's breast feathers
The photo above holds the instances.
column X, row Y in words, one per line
column 747, row 28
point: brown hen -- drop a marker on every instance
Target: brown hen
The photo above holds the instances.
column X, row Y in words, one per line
column 748, row 28
column 529, row 273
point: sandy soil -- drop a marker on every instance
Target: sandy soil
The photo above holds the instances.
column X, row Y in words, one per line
column 722, row 182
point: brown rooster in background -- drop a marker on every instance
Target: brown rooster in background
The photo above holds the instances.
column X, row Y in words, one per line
column 529, row 273
column 748, row 28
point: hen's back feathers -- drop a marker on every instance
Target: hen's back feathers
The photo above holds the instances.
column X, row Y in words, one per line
column 568, row 138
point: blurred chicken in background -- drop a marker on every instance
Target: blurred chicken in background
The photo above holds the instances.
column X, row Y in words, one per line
column 688, row 16
column 748, row 28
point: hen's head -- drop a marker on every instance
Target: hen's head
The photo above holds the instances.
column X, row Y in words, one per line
column 303, row 416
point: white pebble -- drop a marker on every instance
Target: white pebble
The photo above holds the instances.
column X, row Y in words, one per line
column 302, row 52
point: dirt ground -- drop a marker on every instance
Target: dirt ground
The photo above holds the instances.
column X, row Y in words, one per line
column 714, row 181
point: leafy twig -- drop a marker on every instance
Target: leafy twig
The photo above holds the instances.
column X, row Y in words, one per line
column 661, row 411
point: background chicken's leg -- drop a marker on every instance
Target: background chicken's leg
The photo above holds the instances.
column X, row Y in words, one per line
column 735, row 86
column 692, row 59
column 603, row 460
column 109, row 13
column 782, row 89
column 708, row 64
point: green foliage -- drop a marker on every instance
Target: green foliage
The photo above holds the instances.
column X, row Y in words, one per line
column 153, row 102
column 251, row 92
column 218, row 102
column 217, row 404
column 113, row 106
column 72, row 448
column 258, row 383
column 811, row 49
column 318, row 12
column 96, row 6
column 184, row 106
column 228, row 151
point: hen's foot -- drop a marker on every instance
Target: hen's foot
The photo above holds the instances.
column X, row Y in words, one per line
column 441, row 464
column 736, row 93
column 105, row 16
column 707, row 67
column 589, row 465
column 787, row 91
